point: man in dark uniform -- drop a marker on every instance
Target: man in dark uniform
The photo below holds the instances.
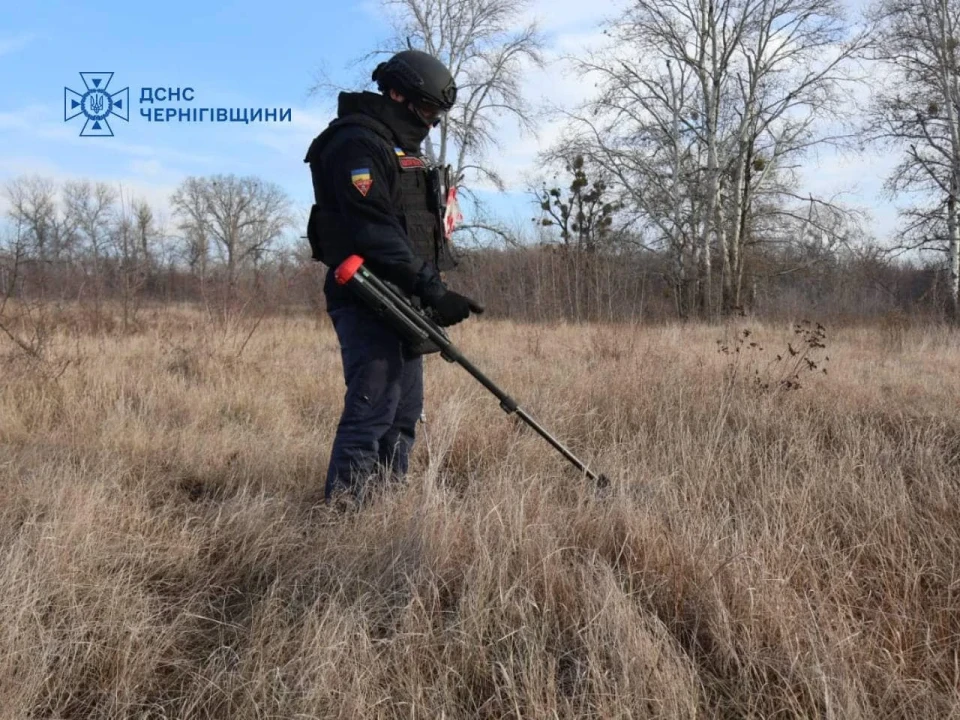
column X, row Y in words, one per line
column 376, row 197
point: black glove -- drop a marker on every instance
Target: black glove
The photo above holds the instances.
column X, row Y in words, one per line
column 451, row 308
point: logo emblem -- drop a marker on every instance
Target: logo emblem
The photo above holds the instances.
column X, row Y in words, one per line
column 409, row 162
column 361, row 180
column 96, row 104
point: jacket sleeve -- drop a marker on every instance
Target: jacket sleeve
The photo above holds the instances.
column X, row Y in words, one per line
column 362, row 182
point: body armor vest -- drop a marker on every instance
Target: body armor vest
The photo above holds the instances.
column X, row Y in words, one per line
column 420, row 211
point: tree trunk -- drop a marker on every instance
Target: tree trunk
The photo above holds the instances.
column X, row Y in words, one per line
column 952, row 95
column 743, row 225
column 726, row 271
column 738, row 220
column 954, row 271
column 231, row 270
column 707, row 72
column 681, row 288
column 706, row 284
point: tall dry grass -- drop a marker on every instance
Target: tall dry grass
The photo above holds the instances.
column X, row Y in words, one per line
column 761, row 554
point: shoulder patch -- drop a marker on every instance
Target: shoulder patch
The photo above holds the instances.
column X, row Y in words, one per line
column 408, row 162
column 399, row 152
column 361, row 180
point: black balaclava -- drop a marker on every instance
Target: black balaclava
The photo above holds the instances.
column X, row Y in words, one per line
column 409, row 130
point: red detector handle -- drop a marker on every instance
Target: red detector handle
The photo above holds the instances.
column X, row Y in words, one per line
column 347, row 269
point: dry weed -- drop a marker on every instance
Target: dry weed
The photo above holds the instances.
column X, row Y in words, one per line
column 762, row 553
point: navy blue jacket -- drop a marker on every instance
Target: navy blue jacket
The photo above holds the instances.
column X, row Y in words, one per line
column 358, row 209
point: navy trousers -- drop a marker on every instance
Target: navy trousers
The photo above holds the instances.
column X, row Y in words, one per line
column 383, row 402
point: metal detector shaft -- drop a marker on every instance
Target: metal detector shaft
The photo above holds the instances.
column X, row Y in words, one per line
column 414, row 325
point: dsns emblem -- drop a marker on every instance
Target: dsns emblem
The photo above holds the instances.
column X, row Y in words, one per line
column 96, row 104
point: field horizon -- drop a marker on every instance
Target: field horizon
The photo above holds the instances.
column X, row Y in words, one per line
column 780, row 539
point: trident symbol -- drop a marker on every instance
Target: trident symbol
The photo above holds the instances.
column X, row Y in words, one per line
column 96, row 103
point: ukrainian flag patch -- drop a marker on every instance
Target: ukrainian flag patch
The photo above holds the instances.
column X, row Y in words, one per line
column 361, row 180
column 399, row 152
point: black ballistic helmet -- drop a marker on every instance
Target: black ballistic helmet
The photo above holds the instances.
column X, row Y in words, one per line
column 419, row 77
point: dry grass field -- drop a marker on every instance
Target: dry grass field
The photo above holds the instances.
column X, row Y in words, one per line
column 762, row 552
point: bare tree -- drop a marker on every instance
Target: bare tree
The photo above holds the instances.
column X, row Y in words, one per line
column 243, row 216
column 487, row 50
column 189, row 204
column 146, row 232
column 645, row 140
column 93, row 207
column 30, row 338
column 792, row 67
column 12, row 254
column 27, row 321
column 133, row 234
column 702, row 103
column 916, row 109
column 33, row 209
column 583, row 215
column 49, row 233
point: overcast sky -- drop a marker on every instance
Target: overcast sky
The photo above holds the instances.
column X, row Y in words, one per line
column 254, row 54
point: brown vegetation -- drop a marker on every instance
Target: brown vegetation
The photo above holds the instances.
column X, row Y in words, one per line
column 766, row 550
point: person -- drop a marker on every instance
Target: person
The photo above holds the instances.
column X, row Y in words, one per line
column 372, row 190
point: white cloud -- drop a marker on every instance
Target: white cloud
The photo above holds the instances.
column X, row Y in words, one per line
column 150, row 168
column 855, row 180
column 9, row 45
column 23, row 119
column 569, row 26
column 11, row 165
column 130, row 185
column 567, row 16
column 572, row 27
column 554, row 86
column 291, row 139
column 34, row 122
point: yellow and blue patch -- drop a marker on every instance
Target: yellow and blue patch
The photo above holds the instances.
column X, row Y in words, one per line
column 361, row 180
column 399, row 152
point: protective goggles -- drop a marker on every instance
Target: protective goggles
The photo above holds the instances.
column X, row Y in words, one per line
column 431, row 114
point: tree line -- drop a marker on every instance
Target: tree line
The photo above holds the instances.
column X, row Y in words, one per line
column 702, row 115
column 674, row 190
column 234, row 241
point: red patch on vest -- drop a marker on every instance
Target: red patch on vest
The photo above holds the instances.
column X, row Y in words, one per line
column 411, row 163
column 363, row 186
